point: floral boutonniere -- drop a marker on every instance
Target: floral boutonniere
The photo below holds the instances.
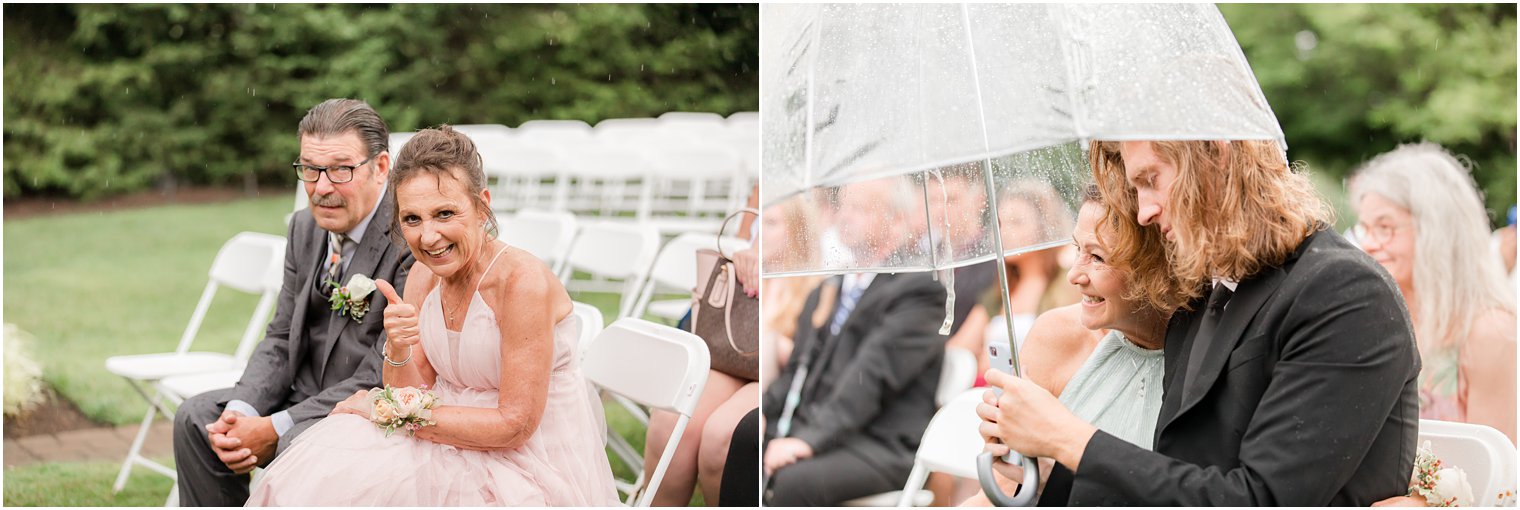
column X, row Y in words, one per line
column 350, row 299
column 1439, row 484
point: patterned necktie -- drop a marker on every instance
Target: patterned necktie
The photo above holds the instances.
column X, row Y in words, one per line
column 848, row 298
column 335, row 257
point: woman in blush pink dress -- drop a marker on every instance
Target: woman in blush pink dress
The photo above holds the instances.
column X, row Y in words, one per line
column 487, row 328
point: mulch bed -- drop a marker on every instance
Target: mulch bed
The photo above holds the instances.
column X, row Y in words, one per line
column 54, row 414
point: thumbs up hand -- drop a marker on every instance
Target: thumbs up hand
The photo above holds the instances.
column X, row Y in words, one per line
column 401, row 324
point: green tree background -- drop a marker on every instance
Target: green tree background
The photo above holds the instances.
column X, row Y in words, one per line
column 109, row 99
column 1351, row 81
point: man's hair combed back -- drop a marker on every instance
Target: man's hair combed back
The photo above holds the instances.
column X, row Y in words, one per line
column 1239, row 203
column 335, row 117
column 438, row 152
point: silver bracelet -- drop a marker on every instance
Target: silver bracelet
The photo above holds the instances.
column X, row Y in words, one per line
column 388, row 359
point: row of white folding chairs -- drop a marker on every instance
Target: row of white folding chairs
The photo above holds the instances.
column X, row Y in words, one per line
column 629, row 252
column 643, row 168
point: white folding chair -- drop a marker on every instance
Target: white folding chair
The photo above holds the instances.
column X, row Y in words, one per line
column 675, row 271
column 608, row 181
column 950, row 445
column 529, row 175
column 957, row 375
column 691, row 187
column 606, row 250
column 657, row 366
column 545, row 234
column 592, row 325
column 242, row 264
column 1482, row 451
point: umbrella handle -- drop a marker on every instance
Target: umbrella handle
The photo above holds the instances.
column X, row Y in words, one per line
column 1025, row 494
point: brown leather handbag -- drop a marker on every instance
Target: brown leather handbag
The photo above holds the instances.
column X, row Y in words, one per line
column 726, row 318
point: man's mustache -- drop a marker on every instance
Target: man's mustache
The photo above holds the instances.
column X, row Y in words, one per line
column 329, row 200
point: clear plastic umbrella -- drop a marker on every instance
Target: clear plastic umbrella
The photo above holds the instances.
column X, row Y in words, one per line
column 923, row 99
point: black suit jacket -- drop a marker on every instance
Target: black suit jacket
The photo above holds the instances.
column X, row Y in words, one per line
column 877, row 377
column 349, row 364
column 1306, row 398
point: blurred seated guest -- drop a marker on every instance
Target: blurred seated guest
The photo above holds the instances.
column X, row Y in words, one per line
column 702, row 454
column 1419, row 215
column 1101, row 357
column 1030, row 212
column 481, row 351
column 846, row 414
column 787, row 243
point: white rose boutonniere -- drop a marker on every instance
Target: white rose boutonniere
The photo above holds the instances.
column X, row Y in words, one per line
column 351, row 299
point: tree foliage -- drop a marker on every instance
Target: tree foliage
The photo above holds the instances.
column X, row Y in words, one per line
column 1351, row 81
column 103, row 99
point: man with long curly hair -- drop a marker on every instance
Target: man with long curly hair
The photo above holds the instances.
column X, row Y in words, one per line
column 1291, row 366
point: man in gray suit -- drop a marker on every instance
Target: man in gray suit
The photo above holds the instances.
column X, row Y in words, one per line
column 312, row 356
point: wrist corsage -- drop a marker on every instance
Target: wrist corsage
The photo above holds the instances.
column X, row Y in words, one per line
column 1439, row 484
column 350, row 299
column 404, row 408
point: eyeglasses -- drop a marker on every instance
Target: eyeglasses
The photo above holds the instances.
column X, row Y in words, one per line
column 337, row 174
column 1380, row 233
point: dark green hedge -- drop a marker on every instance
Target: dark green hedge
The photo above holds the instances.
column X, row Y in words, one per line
column 107, row 99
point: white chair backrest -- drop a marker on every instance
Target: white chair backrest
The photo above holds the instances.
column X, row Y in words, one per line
column 675, row 268
column 677, row 262
column 956, row 376
column 243, row 264
column 1482, row 451
column 657, row 366
column 592, row 325
column 273, row 282
column 695, row 121
column 545, row 234
column 556, row 131
column 614, row 250
column 396, row 142
column 476, row 130
column 302, row 201
column 950, row 443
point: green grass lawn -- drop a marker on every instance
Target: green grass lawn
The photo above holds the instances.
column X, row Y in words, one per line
column 84, row 484
column 90, row 286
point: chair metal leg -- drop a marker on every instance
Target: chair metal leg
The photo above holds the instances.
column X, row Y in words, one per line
column 126, row 465
column 916, row 480
column 134, row 454
column 173, row 500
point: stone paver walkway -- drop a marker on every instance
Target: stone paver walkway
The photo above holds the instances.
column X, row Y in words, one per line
column 93, row 445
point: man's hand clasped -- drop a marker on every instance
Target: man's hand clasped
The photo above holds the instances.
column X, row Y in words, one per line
column 242, row 442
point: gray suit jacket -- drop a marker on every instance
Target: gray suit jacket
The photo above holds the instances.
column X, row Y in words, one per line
column 349, row 364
